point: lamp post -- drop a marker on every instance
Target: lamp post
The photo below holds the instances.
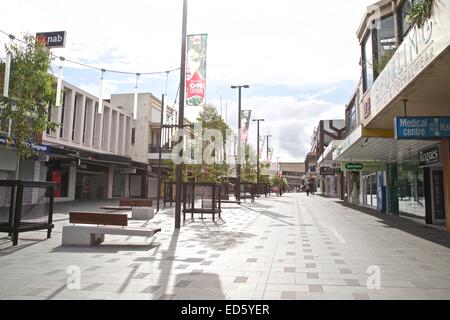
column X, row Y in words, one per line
column 257, row 155
column 179, row 171
column 238, row 168
column 268, row 136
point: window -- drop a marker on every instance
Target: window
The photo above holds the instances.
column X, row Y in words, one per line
column 49, row 117
column 404, row 10
column 386, row 42
column 133, row 136
column 86, row 106
column 63, row 107
column 351, row 119
column 368, row 72
column 74, row 117
column 95, row 123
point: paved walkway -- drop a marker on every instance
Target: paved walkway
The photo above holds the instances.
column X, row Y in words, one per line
column 294, row 247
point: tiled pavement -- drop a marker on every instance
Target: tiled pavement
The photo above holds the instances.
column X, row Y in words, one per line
column 293, row 247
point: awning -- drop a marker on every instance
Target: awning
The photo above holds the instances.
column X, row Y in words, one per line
column 363, row 145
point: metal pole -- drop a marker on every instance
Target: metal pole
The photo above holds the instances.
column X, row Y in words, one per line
column 158, row 197
column 257, row 157
column 238, row 169
column 179, row 172
column 268, row 137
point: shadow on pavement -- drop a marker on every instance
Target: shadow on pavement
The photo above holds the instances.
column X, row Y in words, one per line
column 440, row 237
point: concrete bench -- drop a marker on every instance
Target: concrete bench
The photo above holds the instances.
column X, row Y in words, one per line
column 137, row 213
column 94, row 226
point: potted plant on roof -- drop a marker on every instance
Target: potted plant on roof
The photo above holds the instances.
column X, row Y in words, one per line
column 421, row 12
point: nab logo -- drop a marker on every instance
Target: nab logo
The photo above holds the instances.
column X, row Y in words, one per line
column 52, row 39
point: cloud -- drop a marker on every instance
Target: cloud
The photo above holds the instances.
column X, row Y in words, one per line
column 281, row 45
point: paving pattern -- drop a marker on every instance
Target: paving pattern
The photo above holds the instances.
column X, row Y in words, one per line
column 293, row 247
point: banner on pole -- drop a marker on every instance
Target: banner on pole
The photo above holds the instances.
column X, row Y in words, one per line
column 263, row 144
column 196, row 69
column 245, row 124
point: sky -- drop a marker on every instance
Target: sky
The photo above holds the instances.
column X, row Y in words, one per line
column 300, row 58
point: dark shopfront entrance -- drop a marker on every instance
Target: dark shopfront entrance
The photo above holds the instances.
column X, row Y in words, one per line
column 91, row 182
column 435, row 196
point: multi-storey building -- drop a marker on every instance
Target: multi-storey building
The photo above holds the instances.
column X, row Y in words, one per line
column 93, row 155
column 404, row 74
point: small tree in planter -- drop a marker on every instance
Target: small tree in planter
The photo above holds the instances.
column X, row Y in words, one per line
column 31, row 91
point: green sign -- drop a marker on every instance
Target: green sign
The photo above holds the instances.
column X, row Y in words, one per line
column 364, row 166
column 354, row 166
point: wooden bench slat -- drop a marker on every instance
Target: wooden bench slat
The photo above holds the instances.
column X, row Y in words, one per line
column 98, row 218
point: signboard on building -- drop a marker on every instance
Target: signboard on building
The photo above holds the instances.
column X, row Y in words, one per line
column 328, row 171
column 364, row 166
column 430, row 156
column 421, row 47
column 422, row 128
column 56, row 39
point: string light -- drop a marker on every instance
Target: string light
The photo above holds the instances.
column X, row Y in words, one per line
column 93, row 67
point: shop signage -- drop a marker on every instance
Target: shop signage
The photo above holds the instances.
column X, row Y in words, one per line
column 327, row 171
column 421, row 47
column 128, row 170
column 422, row 128
column 35, row 147
column 55, row 39
column 430, row 156
column 364, row 166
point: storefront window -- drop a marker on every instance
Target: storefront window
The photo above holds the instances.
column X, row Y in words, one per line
column 59, row 173
column 411, row 189
column 118, row 184
column 368, row 62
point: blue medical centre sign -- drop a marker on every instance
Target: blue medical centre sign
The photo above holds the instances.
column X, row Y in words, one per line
column 422, row 128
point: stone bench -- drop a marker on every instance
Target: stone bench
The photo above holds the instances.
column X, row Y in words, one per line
column 95, row 225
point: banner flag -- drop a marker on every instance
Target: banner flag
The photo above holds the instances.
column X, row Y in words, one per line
column 262, row 147
column 245, row 124
column 196, row 69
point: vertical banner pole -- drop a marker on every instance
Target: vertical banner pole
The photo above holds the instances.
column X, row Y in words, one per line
column 100, row 96
column 59, row 85
column 136, row 97
column 179, row 171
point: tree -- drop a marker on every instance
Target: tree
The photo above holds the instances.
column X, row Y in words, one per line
column 210, row 119
column 31, row 91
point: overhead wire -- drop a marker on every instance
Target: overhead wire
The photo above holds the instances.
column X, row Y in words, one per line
column 12, row 37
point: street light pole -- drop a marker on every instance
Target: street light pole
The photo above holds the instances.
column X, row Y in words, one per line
column 158, row 196
column 257, row 155
column 179, row 171
column 268, row 137
column 238, row 168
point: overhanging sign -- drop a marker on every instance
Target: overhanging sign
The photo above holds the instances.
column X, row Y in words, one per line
column 364, row 166
column 56, row 39
column 328, row 171
column 430, row 156
column 422, row 128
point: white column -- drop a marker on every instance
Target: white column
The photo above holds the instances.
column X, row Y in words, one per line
column 110, row 181
column 98, row 130
column 72, row 183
